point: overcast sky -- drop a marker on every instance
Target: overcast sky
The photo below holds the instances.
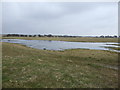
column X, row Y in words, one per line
column 60, row 18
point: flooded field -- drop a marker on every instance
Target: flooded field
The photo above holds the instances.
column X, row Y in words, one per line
column 62, row 45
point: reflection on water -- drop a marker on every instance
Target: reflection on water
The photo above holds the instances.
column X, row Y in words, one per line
column 61, row 45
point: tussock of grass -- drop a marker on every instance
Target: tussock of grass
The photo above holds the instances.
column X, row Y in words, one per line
column 25, row 67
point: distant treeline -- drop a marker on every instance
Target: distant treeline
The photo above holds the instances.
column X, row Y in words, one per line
column 109, row 36
column 50, row 35
column 22, row 35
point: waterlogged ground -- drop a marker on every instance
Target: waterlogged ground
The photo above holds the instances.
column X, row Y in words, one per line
column 25, row 67
column 62, row 45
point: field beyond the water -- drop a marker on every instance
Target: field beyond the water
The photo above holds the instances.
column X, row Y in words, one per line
column 25, row 67
column 72, row 39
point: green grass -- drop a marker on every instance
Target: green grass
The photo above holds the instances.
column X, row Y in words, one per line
column 25, row 67
column 77, row 39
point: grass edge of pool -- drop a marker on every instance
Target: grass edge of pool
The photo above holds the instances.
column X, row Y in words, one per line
column 114, row 48
column 71, row 39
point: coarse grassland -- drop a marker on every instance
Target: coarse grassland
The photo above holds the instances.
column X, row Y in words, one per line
column 25, row 67
column 72, row 39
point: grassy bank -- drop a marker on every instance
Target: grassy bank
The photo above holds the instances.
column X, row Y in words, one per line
column 77, row 39
column 26, row 67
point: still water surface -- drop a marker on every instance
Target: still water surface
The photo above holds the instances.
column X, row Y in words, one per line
column 62, row 45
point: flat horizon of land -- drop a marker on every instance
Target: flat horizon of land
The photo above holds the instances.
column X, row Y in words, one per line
column 72, row 39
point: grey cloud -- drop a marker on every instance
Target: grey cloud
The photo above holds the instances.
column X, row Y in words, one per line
column 60, row 18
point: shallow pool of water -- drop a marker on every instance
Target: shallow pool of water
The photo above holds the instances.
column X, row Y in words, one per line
column 62, row 45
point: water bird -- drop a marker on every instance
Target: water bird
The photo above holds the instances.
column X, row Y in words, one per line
column 44, row 48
